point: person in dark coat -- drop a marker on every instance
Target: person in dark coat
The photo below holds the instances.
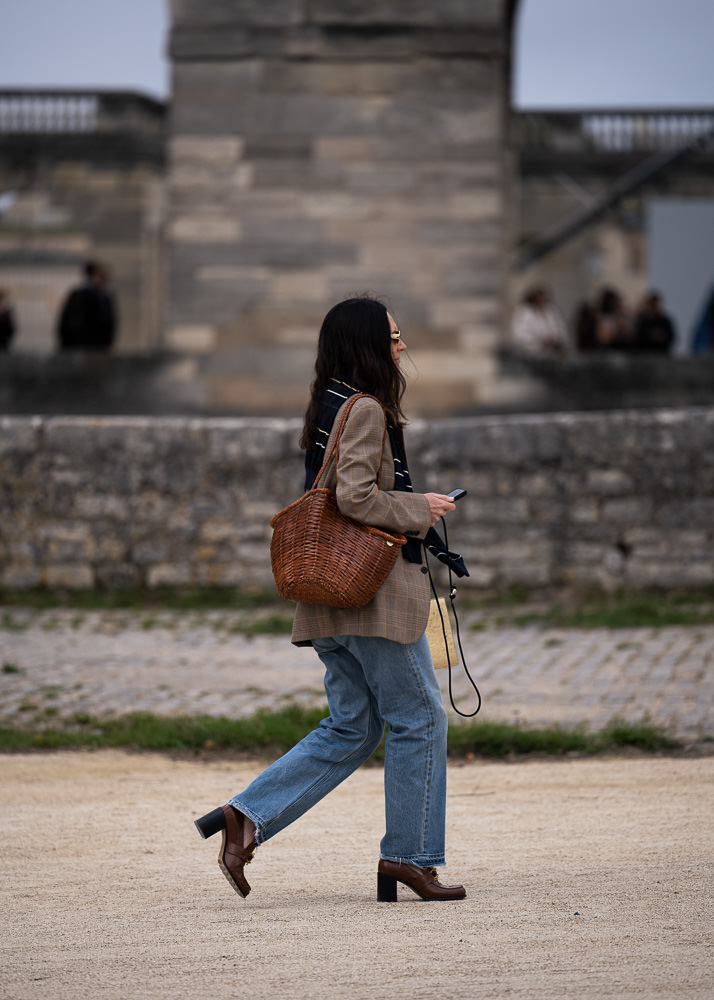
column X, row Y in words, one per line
column 88, row 318
column 613, row 329
column 7, row 321
column 654, row 330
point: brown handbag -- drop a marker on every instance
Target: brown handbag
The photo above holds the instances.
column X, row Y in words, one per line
column 319, row 556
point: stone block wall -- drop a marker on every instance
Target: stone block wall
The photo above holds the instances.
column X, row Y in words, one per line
column 601, row 499
column 320, row 149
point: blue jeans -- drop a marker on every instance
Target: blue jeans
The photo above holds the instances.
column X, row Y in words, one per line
column 368, row 681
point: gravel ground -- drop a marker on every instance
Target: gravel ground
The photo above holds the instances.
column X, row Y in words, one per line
column 585, row 878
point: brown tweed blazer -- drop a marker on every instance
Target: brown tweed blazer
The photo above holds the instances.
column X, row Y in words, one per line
column 401, row 607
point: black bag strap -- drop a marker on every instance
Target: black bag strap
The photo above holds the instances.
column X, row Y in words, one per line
column 452, row 599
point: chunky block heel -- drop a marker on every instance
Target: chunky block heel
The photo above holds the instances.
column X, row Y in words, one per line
column 212, row 822
column 423, row 881
column 386, row 888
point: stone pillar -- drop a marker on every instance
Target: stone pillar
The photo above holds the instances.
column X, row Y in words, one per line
column 321, row 148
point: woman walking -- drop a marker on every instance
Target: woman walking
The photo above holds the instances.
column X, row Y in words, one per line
column 378, row 667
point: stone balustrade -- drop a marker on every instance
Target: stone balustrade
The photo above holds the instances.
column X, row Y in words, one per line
column 71, row 111
column 612, row 130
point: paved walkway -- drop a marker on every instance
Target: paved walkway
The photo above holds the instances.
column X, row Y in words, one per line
column 57, row 663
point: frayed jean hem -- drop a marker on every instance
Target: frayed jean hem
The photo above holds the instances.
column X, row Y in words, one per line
column 419, row 860
column 255, row 819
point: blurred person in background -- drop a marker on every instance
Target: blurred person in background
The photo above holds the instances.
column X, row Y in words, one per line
column 538, row 327
column 654, row 330
column 703, row 337
column 584, row 326
column 613, row 328
column 87, row 321
column 7, row 321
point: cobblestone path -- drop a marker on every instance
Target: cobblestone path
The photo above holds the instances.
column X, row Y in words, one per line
column 57, row 663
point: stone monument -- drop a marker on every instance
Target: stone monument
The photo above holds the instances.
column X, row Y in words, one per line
column 322, row 148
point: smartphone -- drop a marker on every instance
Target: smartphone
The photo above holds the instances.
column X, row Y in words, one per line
column 456, row 494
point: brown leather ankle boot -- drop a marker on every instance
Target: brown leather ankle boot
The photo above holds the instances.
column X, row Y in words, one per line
column 233, row 856
column 423, row 881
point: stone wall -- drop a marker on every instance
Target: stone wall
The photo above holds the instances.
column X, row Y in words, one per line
column 588, row 499
column 320, row 149
column 172, row 384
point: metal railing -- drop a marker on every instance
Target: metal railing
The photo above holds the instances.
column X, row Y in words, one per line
column 612, row 131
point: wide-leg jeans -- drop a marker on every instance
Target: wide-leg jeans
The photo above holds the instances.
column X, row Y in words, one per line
column 368, row 681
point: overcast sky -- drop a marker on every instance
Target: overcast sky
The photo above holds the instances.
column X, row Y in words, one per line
column 570, row 53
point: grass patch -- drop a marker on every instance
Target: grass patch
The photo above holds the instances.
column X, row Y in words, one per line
column 622, row 609
column 239, row 612
column 632, row 611
column 503, row 739
column 161, row 598
column 513, row 607
column 273, row 733
column 272, row 625
column 641, row 736
column 264, row 732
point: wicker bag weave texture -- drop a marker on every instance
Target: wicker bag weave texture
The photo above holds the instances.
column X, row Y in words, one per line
column 319, row 556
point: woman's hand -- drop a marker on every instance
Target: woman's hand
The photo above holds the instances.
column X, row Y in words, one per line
column 439, row 504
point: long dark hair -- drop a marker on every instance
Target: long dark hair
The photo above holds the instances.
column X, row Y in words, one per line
column 354, row 345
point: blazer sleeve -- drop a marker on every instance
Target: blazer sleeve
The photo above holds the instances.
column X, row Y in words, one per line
column 358, row 495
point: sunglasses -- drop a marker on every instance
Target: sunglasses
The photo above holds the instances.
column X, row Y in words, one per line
column 395, row 335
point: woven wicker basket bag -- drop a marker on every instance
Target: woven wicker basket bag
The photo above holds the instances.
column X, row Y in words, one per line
column 319, row 556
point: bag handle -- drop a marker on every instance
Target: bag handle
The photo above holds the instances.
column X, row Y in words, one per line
column 334, row 447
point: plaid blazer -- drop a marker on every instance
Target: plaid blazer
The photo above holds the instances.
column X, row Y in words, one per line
column 401, row 607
